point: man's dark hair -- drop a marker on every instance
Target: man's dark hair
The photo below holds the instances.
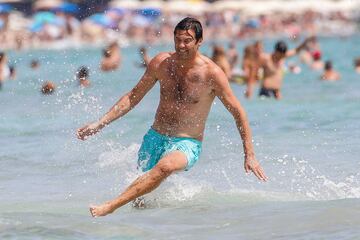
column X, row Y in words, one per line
column 190, row 23
column 2, row 54
column 83, row 72
column 357, row 62
column 328, row 65
column 281, row 47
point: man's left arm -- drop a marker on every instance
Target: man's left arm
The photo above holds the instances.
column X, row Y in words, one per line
column 295, row 51
column 225, row 94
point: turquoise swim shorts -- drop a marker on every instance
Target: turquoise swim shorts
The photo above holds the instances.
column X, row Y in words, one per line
column 155, row 146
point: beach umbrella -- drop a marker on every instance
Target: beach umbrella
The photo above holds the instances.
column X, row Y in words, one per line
column 150, row 12
column 5, row 8
column 70, row 8
column 102, row 20
column 42, row 18
column 253, row 23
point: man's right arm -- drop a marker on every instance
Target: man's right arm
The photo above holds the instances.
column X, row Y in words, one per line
column 126, row 102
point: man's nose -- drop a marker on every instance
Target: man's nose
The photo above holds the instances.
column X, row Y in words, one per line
column 181, row 45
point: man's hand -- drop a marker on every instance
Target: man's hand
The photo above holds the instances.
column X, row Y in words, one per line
column 251, row 164
column 88, row 130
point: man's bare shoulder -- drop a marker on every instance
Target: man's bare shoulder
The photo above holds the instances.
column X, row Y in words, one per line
column 159, row 58
column 211, row 69
column 158, row 62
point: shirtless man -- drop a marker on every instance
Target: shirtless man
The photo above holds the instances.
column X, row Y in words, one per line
column 4, row 68
column 189, row 83
column 111, row 58
column 329, row 73
column 145, row 58
column 252, row 55
column 357, row 65
column 273, row 65
column 219, row 57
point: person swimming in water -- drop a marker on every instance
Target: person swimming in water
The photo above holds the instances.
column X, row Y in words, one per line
column 329, row 73
column 82, row 76
column 219, row 57
column 145, row 58
column 189, row 83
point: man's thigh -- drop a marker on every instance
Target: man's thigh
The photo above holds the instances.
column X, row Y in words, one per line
column 173, row 161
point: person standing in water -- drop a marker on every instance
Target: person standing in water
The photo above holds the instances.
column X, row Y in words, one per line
column 329, row 73
column 219, row 57
column 111, row 58
column 145, row 58
column 189, row 83
column 273, row 65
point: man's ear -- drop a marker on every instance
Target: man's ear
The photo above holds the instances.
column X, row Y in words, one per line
column 200, row 41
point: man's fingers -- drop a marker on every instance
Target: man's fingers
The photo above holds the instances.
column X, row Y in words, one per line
column 259, row 173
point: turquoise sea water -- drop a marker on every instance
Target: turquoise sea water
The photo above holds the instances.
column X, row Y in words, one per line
column 308, row 144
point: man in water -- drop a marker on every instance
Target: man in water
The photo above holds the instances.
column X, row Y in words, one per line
column 145, row 58
column 273, row 65
column 329, row 73
column 111, row 58
column 357, row 65
column 4, row 68
column 189, row 83
column 82, row 76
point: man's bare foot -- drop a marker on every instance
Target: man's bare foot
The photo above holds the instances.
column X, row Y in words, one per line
column 101, row 210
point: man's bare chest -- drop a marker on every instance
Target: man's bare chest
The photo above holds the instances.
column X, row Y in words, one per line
column 186, row 87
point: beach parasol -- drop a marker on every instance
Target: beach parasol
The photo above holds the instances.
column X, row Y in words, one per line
column 102, row 20
column 70, row 8
column 5, row 8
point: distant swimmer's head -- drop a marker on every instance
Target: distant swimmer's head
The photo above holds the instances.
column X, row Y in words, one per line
column 357, row 62
column 82, row 73
column 328, row 66
column 142, row 50
column 188, row 35
column 34, row 64
column 48, row 88
column 106, row 53
column 281, row 47
column 12, row 71
column 258, row 45
column 316, row 55
column 218, row 51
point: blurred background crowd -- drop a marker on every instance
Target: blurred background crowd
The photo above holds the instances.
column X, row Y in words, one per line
column 56, row 23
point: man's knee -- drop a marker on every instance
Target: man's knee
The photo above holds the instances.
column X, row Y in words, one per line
column 165, row 168
column 171, row 163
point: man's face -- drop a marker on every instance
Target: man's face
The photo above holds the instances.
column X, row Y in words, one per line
column 185, row 43
column 258, row 48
